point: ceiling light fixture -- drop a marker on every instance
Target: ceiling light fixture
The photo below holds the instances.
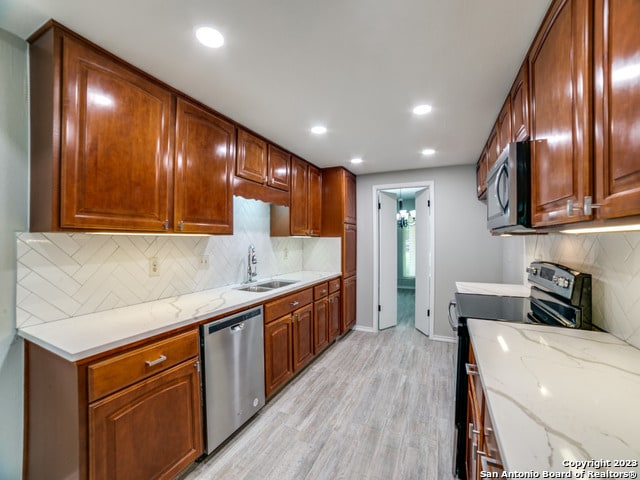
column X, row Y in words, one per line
column 428, row 151
column 356, row 160
column 209, row 37
column 319, row 130
column 422, row 109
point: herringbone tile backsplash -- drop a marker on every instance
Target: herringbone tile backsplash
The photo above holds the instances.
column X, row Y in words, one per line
column 613, row 259
column 66, row 275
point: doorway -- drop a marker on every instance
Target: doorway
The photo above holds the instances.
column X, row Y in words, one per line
column 404, row 252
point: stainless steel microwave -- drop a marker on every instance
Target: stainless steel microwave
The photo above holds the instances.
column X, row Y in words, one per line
column 509, row 190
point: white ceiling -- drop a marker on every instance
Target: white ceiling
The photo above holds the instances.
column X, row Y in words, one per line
column 356, row 66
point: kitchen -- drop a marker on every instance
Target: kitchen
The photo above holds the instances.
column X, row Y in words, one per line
column 465, row 250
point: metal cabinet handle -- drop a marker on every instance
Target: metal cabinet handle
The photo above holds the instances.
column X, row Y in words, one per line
column 454, row 326
column 295, row 303
column 165, row 224
column 485, row 461
column 587, row 206
column 472, row 368
column 160, row 359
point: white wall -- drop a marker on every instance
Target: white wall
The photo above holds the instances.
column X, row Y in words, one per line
column 13, row 218
column 464, row 250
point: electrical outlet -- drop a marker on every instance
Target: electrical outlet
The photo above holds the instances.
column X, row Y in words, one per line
column 204, row 262
column 154, row 267
column 286, row 253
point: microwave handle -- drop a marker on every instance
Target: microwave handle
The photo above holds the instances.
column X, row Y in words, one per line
column 454, row 325
column 503, row 171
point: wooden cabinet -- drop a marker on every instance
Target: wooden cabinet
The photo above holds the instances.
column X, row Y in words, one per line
column 481, row 176
column 203, row 196
column 134, row 414
column 251, row 158
column 349, row 257
column 349, row 304
column 616, row 106
column 334, row 315
column 103, row 154
column 303, row 343
column 520, row 102
column 278, row 168
column 492, row 148
column 503, row 125
column 278, row 354
column 561, row 123
column 320, row 317
column 101, row 140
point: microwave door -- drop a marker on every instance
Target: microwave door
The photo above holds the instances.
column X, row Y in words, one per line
column 498, row 198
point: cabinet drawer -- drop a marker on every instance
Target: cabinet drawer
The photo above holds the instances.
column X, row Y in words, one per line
column 334, row 285
column 320, row 291
column 288, row 304
column 127, row 368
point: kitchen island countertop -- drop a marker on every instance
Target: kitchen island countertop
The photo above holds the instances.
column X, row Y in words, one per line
column 501, row 289
column 81, row 337
column 558, row 395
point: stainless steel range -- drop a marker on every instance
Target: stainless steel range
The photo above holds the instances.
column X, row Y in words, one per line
column 559, row 297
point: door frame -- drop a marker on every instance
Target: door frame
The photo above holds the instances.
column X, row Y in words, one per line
column 374, row 234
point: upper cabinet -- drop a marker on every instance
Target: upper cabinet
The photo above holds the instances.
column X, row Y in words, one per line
column 503, row 126
column 203, row 195
column 339, row 200
column 262, row 170
column 306, row 198
column 617, row 107
column 101, row 141
column 561, row 123
column 520, row 129
column 112, row 148
column 481, row 176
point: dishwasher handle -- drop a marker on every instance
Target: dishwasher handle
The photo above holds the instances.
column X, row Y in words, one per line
column 237, row 327
column 454, row 325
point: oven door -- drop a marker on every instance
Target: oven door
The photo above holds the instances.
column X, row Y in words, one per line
column 459, row 325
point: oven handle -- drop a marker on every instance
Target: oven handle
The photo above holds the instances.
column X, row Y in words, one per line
column 454, row 326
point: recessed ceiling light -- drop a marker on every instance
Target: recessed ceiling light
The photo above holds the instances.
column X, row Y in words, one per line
column 319, row 130
column 421, row 109
column 210, row 37
column 356, row 160
column 428, row 151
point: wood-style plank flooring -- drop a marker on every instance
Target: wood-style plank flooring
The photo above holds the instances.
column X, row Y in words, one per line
column 374, row 406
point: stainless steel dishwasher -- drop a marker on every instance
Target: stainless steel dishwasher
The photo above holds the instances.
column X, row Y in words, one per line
column 233, row 373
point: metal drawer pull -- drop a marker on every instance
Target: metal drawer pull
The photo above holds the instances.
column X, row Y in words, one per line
column 472, row 368
column 160, row 359
column 487, row 463
column 295, row 303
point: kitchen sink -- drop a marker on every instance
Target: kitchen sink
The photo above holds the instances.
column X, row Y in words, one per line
column 266, row 286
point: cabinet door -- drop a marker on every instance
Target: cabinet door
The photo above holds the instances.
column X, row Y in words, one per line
column 314, row 201
column 349, row 247
column 278, row 354
column 350, row 215
column 116, row 143
column 279, row 166
column 150, row 430
column 560, row 75
column 492, row 148
column 298, row 221
column 335, row 310
column 320, row 325
column 520, row 105
column 481, row 176
column 251, row 160
column 617, row 103
column 302, row 336
column 349, row 304
column 503, row 125
column 203, row 195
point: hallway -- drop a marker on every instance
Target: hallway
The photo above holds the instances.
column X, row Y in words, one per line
column 374, row 406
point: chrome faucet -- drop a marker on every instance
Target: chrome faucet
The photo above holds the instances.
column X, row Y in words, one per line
column 252, row 261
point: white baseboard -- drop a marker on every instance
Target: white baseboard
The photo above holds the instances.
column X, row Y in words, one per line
column 360, row 328
column 441, row 338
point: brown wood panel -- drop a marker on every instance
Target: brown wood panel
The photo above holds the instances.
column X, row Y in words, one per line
column 279, row 168
column 320, row 325
column 520, row 101
column 320, row 290
column 334, row 285
column 481, row 176
column 617, row 103
column 150, row 430
column 205, row 151
column 492, row 148
column 125, row 369
column 251, row 159
column 314, row 201
column 285, row 305
column 503, row 125
column 350, row 214
column 278, row 353
column 335, row 315
column 117, row 128
column 302, row 336
column 348, row 304
column 338, row 200
column 349, row 250
column 299, row 211
column 560, row 81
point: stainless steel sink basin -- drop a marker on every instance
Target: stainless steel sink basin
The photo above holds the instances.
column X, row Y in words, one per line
column 277, row 283
column 266, row 286
column 254, row 288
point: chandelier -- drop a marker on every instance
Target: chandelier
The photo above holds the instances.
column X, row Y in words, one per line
column 405, row 218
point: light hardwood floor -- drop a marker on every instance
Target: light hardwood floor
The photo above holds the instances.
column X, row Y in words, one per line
column 374, row 406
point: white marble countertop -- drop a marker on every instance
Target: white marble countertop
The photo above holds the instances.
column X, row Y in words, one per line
column 81, row 337
column 502, row 289
column 558, row 395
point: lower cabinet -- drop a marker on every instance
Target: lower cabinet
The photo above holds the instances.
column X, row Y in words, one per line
column 133, row 414
column 302, row 336
column 320, row 325
column 278, row 354
column 348, row 304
